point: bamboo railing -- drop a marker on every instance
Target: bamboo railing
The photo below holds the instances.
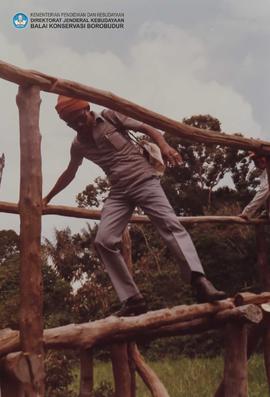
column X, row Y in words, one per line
column 22, row 352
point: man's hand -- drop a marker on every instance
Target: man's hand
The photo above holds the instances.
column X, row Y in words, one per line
column 45, row 201
column 63, row 181
column 172, row 156
column 243, row 216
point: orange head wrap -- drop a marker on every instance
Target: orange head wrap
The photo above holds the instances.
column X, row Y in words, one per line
column 66, row 105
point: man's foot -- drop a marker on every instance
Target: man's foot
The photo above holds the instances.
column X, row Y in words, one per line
column 132, row 306
column 206, row 292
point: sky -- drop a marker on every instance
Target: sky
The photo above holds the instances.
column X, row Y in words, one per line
column 176, row 57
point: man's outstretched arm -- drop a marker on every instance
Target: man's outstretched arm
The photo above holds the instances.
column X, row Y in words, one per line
column 62, row 182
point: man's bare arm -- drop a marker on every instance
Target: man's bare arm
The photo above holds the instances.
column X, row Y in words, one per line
column 62, row 182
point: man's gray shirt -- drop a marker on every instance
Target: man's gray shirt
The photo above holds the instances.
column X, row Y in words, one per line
column 112, row 149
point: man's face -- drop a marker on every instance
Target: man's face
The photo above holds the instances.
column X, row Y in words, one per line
column 260, row 162
column 81, row 121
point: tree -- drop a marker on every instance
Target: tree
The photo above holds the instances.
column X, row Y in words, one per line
column 191, row 187
column 9, row 245
column 57, row 307
column 75, row 261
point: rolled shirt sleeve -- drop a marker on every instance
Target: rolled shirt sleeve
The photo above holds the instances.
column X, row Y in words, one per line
column 260, row 198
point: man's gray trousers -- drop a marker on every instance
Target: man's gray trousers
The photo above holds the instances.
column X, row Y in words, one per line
column 116, row 213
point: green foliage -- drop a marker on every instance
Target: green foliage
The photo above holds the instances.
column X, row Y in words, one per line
column 76, row 262
column 59, row 374
column 9, row 245
column 57, row 299
column 94, row 194
column 185, row 377
column 9, row 293
column 192, row 188
column 72, row 255
column 104, row 390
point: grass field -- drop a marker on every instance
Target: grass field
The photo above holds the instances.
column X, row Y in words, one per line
column 190, row 377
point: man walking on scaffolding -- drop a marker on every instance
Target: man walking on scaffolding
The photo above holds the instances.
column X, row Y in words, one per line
column 103, row 139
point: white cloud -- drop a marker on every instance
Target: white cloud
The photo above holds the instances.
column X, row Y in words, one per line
column 249, row 9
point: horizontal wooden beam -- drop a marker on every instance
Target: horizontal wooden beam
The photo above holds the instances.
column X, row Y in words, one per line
column 104, row 98
column 9, row 341
column 245, row 298
column 89, row 334
column 161, row 323
column 178, row 320
column 75, row 212
column 251, row 314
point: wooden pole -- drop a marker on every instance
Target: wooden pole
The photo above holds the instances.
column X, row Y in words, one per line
column 108, row 99
column 83, row 336
column 10, row 386
column 14, row 371
column 101, row 332
column 245, row 298
column 262, row 258
column 149, row 377
column 132, row 369
column 86, row 373
column 264, row 273
column 234, row 382
column 121, row 370
column 261, row 330
column 127, row 249
column 30, row 206
column 124, row 373
column 2, row 165
column 84, row 213
column 265, row 267
column 127, row 254
column 235, row 366
column 16, row 374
